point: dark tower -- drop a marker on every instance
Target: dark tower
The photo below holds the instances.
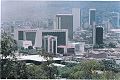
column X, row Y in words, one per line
column 99, row 35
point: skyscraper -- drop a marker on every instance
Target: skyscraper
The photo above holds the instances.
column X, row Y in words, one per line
column 92, row 23
column 92, row 16
column 99, row 35
column 76, row 18
column 65, row 21
column 114, row 19
column 93, row 33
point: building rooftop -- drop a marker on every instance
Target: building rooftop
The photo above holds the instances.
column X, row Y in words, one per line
column 115, row 30
column 35, row 58
column 58, row 65
column 64, row 14
column 92, row 9
column 66, row 46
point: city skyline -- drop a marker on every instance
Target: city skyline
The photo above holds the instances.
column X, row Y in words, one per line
column 60, row 40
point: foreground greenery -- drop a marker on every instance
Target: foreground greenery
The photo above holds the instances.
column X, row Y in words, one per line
column 84, row 70
column 92, row 69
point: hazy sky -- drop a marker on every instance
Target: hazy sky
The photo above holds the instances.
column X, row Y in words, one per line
column 14, row 10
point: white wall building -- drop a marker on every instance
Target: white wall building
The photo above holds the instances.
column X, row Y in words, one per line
column 79, row 47
column 36, row 35
column 50, row 43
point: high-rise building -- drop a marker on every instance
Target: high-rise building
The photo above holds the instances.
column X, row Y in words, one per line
column 50, row 44
column 114, row 20
column 65, row 21
column 76, row 18
column 92, row 16
column 93, row 33
column 92, row 23
column 99, row 35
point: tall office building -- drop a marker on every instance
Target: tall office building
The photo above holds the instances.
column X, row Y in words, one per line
column 65, row 21
column 50, row 44
column 114, row 20
column 92, row 23
column 93, row 33
column 92, row 16
column 99, row 35
column 76, row 18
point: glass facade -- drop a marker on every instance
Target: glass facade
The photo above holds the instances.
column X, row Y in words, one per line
column 50, row 46
column 31, row 36
column 92, row 17
column 61, row 37
column 54, row 46
column 20, row 35
column 99, row 35
column 66, row 22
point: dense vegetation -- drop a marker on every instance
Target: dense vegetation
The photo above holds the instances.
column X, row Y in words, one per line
column 92, row 69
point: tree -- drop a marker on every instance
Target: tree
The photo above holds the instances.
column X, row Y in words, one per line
column 8, row 45
column 13, row 70
column 41, row 71
column 110, row 65
column 36, row 72
column 84, row 70
column 47, row 66
column 10, row 68
column 112, row 45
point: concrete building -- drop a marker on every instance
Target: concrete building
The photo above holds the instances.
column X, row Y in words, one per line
column 78, row 47
column 72, row 48
column 116, row 33
column 50, row 44
column 66, row 49
column 114, row 19
column 21, row 35
column 61, row 34
column 93, row 33
column 35, row 35
column 65, row 21
column 76, row 18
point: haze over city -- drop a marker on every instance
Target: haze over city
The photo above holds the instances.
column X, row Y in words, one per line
column 60, row 40
column 16, row 10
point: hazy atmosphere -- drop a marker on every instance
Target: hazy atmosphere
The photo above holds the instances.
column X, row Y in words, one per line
column 60, row 40
column 20, row 10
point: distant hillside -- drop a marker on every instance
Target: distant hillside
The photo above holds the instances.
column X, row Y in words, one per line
column 20, row 10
